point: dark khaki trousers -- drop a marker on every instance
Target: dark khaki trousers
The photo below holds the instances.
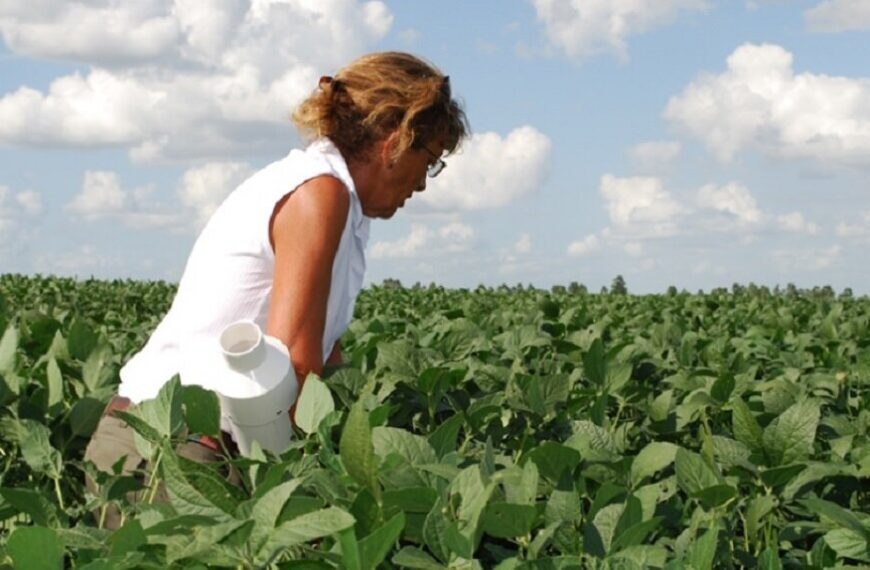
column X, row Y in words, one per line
column 112, row 440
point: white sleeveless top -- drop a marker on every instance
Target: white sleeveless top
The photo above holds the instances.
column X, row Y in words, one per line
column 229, row 273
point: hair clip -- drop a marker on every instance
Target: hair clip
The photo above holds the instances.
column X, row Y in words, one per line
column 445, row 86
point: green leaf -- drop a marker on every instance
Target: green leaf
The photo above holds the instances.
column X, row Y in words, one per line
column 55, row 383
column 745, row 426
column 85, row 414
column 410, row 499
column 593, row 442
column 635, row 534
column 411, row 557
column 350, row 557
column 703, row 552
column 759, row 507
column 715, row 496
column 769, row 560
column 848, row 544
column 693, row 473
column 838, row 515
column 187, row 498
column 267, row 509
column 202, row 410
column 35, row 548
column 374, row 548
column 164, row 412
column 443, row 439
column 34, row 504
column 617, row 377
column 357, row 451
column 314, row 403
column 8, row 349
column 779, row 476
column 789, row 438
column 506, row 520
column 653, row 458
column 308, row 527
column 594, row 363
column 413, row 448
column 37, row 451
column 128, row 538
column 97, row 374
column 553, row 459
column 81, row 340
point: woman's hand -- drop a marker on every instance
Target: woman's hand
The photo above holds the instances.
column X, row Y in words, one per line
column 305, row 232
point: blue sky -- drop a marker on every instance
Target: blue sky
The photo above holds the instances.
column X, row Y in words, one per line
column 687, row 142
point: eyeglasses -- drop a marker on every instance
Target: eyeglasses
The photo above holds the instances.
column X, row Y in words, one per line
column 435, row 168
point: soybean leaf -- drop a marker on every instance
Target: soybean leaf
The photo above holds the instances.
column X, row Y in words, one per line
column 553, row 459
column 411, row 557
column 594, row 363
column 81, row 340
column 745, row 426
column 653, row 458
column 35, row 548
column 837, row 514
column 314, row 403
column 374, row 548
column 693, row 473
column 789, row 438
column 37, row 449
column 443, row 439
column 307, row 527
column 357, row 451
column 164, row 412
column 506, row 520
column 8, row 349
column 703, row 552
column 202, row 411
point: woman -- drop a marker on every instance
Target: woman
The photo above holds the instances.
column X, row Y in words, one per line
column 286, row 248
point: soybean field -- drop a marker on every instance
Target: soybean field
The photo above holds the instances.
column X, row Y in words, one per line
column 499, row 428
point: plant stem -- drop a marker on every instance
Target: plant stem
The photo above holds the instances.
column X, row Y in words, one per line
column 153, row 481
column 59, row 494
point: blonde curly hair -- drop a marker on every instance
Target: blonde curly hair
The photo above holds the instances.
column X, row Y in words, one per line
column 380, row 93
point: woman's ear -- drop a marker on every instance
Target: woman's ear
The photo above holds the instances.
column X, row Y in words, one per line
column 388, row 149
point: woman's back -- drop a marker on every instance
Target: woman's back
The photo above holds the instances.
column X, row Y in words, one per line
column 230, row 271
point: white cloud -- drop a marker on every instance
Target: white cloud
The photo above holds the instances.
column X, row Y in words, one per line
column 178, row 79
column 814, row 259
column 524, row 244
column 655, row 156
column 101, row 196
column 760, row 102
column 733, row 200
column 640, row 205
column 200, row 191
column 451, row 238
column 581, row 28
column 860, row 229
column 839, row 16
column 587, row 245
column 490, row 171
column 203, row 188
column 30, row 201
column 634, row 248
column 795, row 222
column 19, row 213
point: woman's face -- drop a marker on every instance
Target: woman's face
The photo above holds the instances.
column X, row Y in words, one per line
column 399, row 179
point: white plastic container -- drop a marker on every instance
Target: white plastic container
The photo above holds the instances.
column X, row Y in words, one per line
column 256, row 385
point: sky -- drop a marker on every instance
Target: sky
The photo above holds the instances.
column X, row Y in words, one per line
column 694, row 143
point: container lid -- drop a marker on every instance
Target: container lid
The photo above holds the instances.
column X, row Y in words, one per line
column 203, row 364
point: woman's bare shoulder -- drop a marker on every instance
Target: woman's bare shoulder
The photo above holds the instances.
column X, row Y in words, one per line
column 322, row 201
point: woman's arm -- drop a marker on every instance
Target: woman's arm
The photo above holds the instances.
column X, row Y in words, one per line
column 305, row 231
